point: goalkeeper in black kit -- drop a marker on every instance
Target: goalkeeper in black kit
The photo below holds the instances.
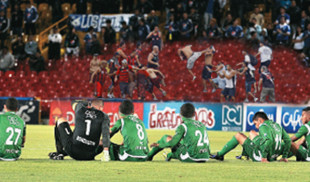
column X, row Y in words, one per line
column 84, row 142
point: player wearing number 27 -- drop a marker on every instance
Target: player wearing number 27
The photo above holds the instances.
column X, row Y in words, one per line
column 12, row 132
column 189, row 144
column 272, row 141
column 135, row 141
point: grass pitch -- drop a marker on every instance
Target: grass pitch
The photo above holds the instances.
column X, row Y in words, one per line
column 34, row 164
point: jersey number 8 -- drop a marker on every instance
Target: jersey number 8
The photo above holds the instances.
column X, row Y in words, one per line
column 140, row 131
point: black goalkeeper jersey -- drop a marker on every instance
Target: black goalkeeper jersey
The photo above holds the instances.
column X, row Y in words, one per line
column 90, row 123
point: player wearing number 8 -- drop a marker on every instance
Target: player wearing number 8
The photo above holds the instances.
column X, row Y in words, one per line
column 135, row 141
column 271, row 141
column 189, row 144
column 12, row 132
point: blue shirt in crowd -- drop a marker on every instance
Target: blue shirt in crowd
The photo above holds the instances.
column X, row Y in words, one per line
column 285, row 28
column 31, row 15
column 234, row 31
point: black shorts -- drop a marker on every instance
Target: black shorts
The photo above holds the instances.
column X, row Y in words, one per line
column 206, row 74
column 67, row 141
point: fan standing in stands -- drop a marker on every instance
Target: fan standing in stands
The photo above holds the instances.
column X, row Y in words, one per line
column 156, row 38
column 122, row 74
column 266, row 80
column 97, row 74
column 230, row 89
column 153, row 59
column 186, row 53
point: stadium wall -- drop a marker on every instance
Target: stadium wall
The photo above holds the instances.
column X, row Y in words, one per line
column 29, row 109
column 216, row 116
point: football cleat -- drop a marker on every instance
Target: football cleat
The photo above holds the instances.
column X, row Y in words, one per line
column 56, row 156
column 217, row 157
column 241, row 157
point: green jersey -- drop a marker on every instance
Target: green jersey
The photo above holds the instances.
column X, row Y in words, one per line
column 271, row 143
column 304, row 130
column 194, row 138
column 12, row 131
column 134, row 136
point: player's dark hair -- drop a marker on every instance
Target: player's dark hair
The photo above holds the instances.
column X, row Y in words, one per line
column 188, row 110
column 307, row 109
column 260, row 115
column 11, row 104
column 126, row 107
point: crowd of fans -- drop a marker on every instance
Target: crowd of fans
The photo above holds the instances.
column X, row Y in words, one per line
column 184, row 20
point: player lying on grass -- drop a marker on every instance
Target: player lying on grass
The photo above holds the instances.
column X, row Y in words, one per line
column 83, row 142
column 265, row 148
column 186, row 53
column 189, row 144
column 302, row 148
column 12, row 132
column 135, row 146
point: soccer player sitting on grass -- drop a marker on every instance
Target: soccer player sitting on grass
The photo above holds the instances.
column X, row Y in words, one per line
column 12, row 132
column 83, row 142
column 266, row 148
column 189, row 144
column 135, row 145
column 302, row 148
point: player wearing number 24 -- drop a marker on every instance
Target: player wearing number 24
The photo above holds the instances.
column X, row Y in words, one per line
column 189, row 144
column 12, row 132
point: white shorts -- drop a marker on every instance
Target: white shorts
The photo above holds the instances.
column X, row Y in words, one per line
column 221, row 82
column 75, row 51
column 191, row 61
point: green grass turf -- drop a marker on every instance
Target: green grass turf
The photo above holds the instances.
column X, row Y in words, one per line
column 34, row 164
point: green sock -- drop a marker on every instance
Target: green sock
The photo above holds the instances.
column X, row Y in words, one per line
column 244, row 153
column 233, row 143
column 155, row 150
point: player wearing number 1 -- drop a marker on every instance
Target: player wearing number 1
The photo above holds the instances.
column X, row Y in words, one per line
column 268, row 146
column 12, row 132
column 135, row 145
column 189, row 144
column 83, row 142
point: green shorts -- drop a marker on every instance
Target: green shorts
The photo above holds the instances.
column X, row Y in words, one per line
column 117, row 153
column 302, row 154
column 180, row 152
column 252, row 150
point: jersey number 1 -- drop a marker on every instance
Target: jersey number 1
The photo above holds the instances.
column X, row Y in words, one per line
column 9, row 140
column 88, row 122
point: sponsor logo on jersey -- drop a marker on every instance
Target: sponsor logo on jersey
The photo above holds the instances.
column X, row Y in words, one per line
column 232, row 118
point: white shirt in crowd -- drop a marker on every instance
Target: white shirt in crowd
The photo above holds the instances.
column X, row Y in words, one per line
column 55, row 38
column 230, row 83
column 265, row 53
column 298, row 45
